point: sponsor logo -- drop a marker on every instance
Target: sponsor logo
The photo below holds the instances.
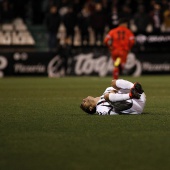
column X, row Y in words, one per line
column 141, row 38
column 155, row 67
column 86, row 64
column 132, row 66
column 152, row 38
column 3, row 65
column 20, row 67
column 55, row 67
column 20, row 56
column 23, row 68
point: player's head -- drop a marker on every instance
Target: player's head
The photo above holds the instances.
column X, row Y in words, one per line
column 88, row 105
column 123, row 21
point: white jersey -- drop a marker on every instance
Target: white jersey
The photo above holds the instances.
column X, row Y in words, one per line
column 105, row 108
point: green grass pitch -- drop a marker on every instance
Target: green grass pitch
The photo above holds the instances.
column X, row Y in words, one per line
column 42, row 126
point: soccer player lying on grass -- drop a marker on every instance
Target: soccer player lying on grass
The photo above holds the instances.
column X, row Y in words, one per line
column 123, row 97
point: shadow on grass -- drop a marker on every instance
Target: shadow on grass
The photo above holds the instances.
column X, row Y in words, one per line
column 146, row 113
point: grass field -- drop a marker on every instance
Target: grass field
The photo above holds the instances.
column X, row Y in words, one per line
column 42, row 126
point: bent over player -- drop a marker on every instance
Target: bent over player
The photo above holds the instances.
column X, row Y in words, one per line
column 119, row 40
column 123, row 97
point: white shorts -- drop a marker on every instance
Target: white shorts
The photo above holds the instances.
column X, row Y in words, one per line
column 138, row 105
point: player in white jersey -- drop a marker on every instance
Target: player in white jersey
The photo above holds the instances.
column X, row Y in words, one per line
column 123, row 97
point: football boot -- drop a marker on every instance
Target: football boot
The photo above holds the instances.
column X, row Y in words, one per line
column 134, row 94
column 138, row 88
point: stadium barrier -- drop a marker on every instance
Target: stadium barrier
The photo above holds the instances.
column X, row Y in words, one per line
column 80, row 61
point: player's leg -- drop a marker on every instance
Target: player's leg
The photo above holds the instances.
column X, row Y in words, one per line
column 115, row 97
column 138, row 105
column 121, row 84
column 119, row 59
column 116, row 70
column 138, row 87
column 124, row 84
column 123, row 60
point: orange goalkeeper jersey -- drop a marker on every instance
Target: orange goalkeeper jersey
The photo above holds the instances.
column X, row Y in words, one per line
column 120, row 38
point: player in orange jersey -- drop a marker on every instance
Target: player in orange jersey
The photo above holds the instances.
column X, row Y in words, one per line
column 119, row 40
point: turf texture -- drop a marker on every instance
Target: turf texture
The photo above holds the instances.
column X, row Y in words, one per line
column 42, row 126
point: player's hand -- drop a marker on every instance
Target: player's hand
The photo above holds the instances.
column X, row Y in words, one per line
column 109, row 42
column 110, row 47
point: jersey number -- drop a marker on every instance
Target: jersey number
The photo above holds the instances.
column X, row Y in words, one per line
column 121, row 35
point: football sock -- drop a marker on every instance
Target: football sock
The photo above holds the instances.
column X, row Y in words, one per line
column 124, row 84
column 117, row 62
column 115, row 97
column 116, row 73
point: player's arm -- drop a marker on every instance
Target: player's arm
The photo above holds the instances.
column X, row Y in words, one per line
column 108, row 41
column 121, row 84
column 116, row 97
column 131, row 40
column 118, row 84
